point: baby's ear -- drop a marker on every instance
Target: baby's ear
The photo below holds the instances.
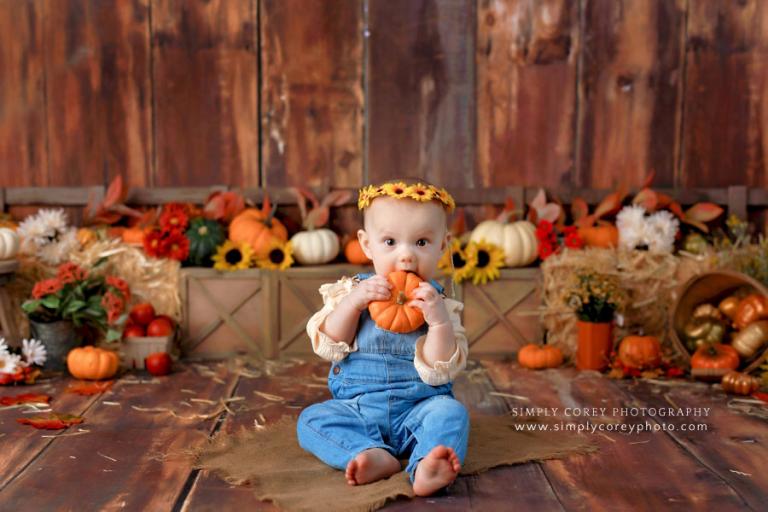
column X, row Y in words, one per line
column 365, row 243
column 446, row 241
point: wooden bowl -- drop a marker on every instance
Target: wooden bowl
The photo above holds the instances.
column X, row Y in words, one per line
column 710, row 287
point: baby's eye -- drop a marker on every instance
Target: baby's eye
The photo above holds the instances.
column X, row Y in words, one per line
column 389, row 241
column 421, row 242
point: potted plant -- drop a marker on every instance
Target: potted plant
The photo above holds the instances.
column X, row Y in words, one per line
column 76, row 299
column 595, row 298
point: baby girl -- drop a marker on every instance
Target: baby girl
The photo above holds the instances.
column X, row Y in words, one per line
column 392, row 391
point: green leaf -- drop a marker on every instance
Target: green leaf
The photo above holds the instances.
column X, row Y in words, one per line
column 51, row 302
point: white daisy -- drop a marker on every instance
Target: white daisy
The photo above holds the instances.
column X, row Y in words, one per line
column 632, row 227
column 661, row 228
column 34, row 352
column 3, row 346
column 43, row 228
column 9, row 363
column 59, row 251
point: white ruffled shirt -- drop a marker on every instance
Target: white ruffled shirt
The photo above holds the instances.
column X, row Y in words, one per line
column 331, row 350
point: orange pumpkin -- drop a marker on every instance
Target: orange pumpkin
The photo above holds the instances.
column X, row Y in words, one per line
column 538, row 357
column 134, row 235
column 354, row 253
column 92, row 363
column 750, row 309
column 640, row 352
column 600, row 236
column 257, row 229
column 740, row 383
column 393, row 314
column 715, row 356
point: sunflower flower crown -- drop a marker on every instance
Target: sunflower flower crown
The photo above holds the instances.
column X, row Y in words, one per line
column 399, row 190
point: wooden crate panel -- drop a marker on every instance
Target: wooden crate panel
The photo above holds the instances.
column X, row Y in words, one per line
column 222, row 312
column 501, row 316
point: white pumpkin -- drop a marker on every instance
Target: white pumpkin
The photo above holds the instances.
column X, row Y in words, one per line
column 315, row 247
column 516, row 239
column 9, row 244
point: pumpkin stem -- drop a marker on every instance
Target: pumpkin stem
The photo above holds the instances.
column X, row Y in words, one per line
column 268, row 220
column 401, row 298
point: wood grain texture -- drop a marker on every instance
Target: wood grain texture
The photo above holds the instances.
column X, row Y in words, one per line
column 421, row 91
column 23, row 152
column 629, row 90
column 650, row 480
column 206, row 92
column 98, row 91
column 725, row 133
column 526, row 56
column 312, row 97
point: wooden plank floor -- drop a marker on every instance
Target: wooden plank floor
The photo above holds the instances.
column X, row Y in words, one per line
column 131, row 452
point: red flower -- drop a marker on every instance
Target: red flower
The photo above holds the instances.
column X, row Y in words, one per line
column 46, row 287
column 572, row 238
column 70, row 273
column 114, row 306
column 545, row 251
column 154, row 244
column 544, row 229
column 174, row 217
column 177, row 245
column 121, row 286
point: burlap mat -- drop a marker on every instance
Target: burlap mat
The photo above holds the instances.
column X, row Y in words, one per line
column 274, row 465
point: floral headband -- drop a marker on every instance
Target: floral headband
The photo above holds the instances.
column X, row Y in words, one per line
column 399, row 190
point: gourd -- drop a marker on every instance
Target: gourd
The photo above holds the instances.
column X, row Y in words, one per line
column 315, row 247
column 740, row 383
column 394, row 314
column 9, row 244
column 751, row 308
column 516, row 239
column 257, row 228
column 205, row 235
column 640, row 352
column 600, row 236
column 92, row 363
column 752, row 337
column 728, row 306
column 536, row 357
column 354, row 253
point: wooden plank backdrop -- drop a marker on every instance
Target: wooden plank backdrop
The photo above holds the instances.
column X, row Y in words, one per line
column 473, row 94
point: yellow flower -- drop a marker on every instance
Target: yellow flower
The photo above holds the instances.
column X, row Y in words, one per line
column 446, row 199
column 232, row 256
column 398, row 190
column 420, row 192
column 489, row 259
column 279, row 256
column 456, row 262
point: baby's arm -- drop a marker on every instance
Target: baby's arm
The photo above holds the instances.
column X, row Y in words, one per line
column 341, row 324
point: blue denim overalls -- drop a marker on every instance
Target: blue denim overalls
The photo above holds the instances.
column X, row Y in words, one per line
column 379, row 401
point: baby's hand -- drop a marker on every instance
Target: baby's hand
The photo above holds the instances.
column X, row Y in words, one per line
column 431, row 304
column 367, row 290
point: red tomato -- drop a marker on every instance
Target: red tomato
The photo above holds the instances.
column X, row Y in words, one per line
column 167, row 318
column 159, row 327
column 142, row 313
column 134, row 330
column 158, row 363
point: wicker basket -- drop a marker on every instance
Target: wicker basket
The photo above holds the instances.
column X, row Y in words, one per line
column 711, row 287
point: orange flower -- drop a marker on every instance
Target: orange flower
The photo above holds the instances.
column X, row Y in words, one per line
column 70, row 273
column 177, row 245
column 121, row 286
column 46, row 287
column 174, row 217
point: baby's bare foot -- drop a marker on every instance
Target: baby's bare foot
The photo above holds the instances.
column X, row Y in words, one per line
column 438, row 469
column 371, row 465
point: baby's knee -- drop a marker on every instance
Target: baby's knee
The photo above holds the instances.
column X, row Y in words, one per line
column 449, row 411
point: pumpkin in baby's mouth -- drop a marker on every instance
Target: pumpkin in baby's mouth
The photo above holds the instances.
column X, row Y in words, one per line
column 393, row 314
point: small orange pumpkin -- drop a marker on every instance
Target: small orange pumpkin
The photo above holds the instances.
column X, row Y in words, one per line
column 538, row 357
column 751, row 308
column 740, row 383
column 640, row 352
column 393, row 314
column 600, row 236
column 257, row 229
column 354, row 253
column 715, row 356
column 92, row 363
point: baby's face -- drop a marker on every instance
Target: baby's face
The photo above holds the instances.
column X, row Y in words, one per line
column 403, row 234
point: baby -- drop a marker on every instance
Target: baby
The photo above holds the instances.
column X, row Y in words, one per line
column 391, row 392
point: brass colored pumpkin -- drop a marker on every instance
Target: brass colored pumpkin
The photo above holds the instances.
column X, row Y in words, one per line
column 729, row 305
column 752, row 337
column 740, row 383
column 751, row 308
column 702, row 330
column 707, row 311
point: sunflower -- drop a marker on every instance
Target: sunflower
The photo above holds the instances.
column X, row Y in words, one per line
column 489, row 258
column 397, row 190
column 456, row 262
column 279, row 256
column 232, row 256
column 420, row 192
